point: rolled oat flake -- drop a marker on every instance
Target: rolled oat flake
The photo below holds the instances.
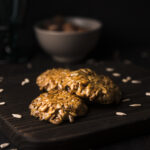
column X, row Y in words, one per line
column 126, row 100
column 17, row 116
column 135, row 105
column 147, row 93
column 116, row 74
column 136, row 81
column 2, row 103
column 4, row 145
column 1, row 90
column 109, row 69
column 121, row 114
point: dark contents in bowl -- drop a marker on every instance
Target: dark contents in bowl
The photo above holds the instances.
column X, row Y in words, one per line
column 60, row 24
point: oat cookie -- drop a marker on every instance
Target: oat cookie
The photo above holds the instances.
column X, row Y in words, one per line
column 109, row 92
column 52, row 79
column 57, row 106
column 85, row 83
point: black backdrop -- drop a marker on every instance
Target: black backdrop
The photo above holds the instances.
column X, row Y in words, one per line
column 126, row 23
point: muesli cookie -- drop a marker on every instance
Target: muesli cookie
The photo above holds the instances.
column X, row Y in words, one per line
column 87, row 84
column 84, row 83
column 52, row 79
column 57, row 106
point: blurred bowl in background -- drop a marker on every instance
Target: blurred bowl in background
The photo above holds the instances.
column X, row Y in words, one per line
column 69, row 46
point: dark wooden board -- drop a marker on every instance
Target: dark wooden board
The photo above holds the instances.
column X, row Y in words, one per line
column 100, row 126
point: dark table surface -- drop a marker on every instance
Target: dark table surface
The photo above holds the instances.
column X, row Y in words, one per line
column 139, row 57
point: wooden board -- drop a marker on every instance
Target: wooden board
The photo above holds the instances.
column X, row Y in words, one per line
column 100, row 126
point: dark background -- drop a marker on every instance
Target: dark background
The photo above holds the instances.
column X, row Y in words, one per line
column 126, row 23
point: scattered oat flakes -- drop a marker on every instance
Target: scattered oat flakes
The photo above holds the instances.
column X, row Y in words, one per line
column 2, row 103
column 124, row 80
column 17, row 116
column 126, row 100
column 144, row 54
column 135, row 105
column 127, row 79
column 115, row 74
column 1, row 79
column 1, row 90
column 127, row 62
column 121, row 114
column 90, row 61
column 29, row 65
column 25, row 81
column 136, row 81
column 147, row 93
column 109, row 69
column 4, row 145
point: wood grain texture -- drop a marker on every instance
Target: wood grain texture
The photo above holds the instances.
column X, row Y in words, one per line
column 100, row 126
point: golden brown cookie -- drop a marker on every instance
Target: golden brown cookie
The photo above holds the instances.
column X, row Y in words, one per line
column 108, row 91
column 85, row 83
column 52, row 79
column 57, row 106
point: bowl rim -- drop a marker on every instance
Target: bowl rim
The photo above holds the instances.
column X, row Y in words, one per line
column 37, row 28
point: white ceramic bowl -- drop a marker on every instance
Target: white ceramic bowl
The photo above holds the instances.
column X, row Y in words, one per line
column 69, row 46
